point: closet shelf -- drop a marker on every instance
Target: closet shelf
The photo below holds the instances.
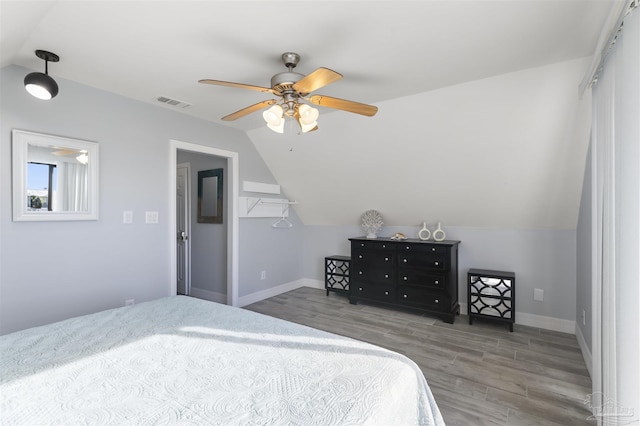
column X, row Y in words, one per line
column 268, row 201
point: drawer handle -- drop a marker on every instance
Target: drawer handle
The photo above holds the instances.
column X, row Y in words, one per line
column 361, row 244
column 405, row 278
column 408, row 247
column 386, row 293
column 405, row 296
column 386, row 275
column 386, row 259
column 436, row 263
column 436, row 282
column 404, row 260
column 360, row 272
column 360, row 288
column 433, row 249
column 384, row 245
column 436, row 300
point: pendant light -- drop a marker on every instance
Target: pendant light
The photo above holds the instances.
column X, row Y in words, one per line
column 40, row 85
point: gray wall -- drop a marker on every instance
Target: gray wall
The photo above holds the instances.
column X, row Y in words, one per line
column 54, row 270
column 583, row 256
column 541, row 258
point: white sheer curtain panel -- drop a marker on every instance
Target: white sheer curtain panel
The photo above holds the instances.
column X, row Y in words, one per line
column 616, row 229
column 72, row 187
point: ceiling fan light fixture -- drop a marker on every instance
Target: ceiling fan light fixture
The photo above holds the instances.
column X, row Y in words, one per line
column 308, row 115
column 274, row 118
column 307, row 118
column 83, row 158
column 41, row 85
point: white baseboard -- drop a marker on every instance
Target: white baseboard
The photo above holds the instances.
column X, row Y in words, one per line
column 208, row 295
column 548, row 323
column 282, row 288
column 586, row 352
column 538, row 321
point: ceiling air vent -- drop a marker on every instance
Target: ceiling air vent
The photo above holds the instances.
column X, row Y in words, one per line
column 173, row 102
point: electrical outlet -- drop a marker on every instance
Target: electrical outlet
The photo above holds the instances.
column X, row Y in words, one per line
column 127, row 216
column 538, row 294
column 263, row 275
column 129, row 302
column 151, row 217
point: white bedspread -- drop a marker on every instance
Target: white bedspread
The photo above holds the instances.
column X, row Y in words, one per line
column 181, row 360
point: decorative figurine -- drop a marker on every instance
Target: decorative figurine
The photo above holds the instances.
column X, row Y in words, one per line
column 371, row 223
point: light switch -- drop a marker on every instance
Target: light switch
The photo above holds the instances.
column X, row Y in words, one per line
column 127, row 216
column 151, row 217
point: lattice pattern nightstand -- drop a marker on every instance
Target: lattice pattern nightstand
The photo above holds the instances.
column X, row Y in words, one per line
column 336, row 273
column 492, row 295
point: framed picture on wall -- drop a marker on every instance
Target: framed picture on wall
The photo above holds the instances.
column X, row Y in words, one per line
column 210, row 192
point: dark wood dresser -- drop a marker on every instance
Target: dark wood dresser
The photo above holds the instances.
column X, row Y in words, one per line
column 415, row 274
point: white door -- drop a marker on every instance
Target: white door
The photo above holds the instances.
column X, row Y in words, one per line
column 183, row 226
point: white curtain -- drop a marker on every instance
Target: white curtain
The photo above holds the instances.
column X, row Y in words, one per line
column 72, row 187
column 616, row 230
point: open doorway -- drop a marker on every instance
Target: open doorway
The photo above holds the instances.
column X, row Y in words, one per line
column 228, row 229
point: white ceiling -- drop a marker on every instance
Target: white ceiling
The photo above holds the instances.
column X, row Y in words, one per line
column 384, row 49
column 480, row 122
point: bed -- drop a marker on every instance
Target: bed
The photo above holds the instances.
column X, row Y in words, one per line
column 180, row 360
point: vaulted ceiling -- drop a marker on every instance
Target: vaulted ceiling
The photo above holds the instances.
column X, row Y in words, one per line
column 479, row 106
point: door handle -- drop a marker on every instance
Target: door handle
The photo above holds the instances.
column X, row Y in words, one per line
column 182, row 236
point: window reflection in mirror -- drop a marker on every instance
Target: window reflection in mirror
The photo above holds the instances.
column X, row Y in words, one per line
column 55, row 178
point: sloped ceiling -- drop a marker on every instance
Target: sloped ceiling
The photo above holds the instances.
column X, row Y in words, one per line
column 478, row 99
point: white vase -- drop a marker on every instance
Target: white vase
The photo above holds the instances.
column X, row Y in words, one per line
column 439, row 234
column 424, row 234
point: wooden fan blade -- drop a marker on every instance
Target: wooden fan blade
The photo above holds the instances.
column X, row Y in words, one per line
column 358, row 108
column 249, row 110
column 238, row 85
column 317, row 79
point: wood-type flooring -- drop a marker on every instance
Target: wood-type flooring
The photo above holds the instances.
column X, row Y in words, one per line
column 479, row 374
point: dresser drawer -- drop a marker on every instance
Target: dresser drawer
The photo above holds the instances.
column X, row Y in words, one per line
column 421, row 277
column 372, row 245
column 422, row 297
column 372, row 275
column 384, row 293
column 422, row 260
column 432, row 249
column 373, row 258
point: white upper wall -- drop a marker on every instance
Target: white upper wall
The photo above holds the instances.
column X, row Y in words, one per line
column 502, row 152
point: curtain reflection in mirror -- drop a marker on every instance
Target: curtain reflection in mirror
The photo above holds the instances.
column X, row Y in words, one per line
column 72, row 187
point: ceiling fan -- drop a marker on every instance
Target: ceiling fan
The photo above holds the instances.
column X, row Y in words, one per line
column 292, row 87
column 81, row 154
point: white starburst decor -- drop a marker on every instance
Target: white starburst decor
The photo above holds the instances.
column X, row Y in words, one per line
column 371, row 223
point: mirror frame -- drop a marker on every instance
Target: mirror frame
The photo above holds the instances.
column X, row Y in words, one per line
column 21, row 140
column 203, row 196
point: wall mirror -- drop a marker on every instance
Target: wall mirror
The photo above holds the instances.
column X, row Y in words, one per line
column 54, row 178
column 210, row 194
